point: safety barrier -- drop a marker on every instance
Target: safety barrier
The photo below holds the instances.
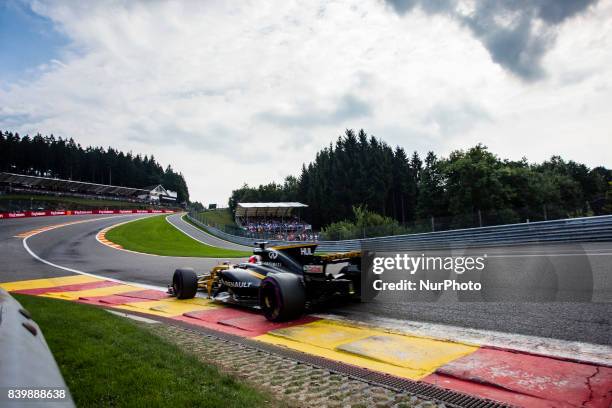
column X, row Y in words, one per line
column 27, row 363
column 584, row 229
column 27, row 214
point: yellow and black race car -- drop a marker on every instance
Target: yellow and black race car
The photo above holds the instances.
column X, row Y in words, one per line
column 282, row 281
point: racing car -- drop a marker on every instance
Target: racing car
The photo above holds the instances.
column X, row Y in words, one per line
column 282, row 281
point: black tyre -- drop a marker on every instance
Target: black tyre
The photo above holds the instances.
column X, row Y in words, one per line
column 282, row 297
column 185, row 283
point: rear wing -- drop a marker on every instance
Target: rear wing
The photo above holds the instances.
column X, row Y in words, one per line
column 295, row 256
column 300, row 251
column 297, row 251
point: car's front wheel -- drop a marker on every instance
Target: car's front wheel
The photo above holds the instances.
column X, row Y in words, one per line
column 184, row 283
column 282, row 297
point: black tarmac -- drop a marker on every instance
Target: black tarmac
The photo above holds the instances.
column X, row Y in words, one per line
column 74, row 247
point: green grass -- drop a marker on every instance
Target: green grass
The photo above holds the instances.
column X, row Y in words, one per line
column 109, row 361
column 154, row 235
column 188, row 220
column 221, row 216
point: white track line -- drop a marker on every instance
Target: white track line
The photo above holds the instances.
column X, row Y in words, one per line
column 204, row 232
column 587, row 352
column 133, row 317
column 564, row 349
column 552, row 255
column 145, row 253
column 38, row 258
column 189, row 235
column 248, row 248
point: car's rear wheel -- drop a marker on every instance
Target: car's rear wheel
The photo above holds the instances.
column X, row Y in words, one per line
column 282, row 297
column 185, row 283
column 354, row 274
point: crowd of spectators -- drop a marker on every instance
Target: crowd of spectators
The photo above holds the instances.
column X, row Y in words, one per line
column 291, row 229
column 292, row 236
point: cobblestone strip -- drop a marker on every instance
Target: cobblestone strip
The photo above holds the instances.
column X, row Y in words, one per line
column 299, row 384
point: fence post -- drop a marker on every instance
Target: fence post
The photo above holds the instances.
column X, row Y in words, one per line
column 479, row 218
column 433, row 225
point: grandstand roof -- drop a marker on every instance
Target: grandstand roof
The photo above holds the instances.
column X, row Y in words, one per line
column 68, row 185
column 266, row 209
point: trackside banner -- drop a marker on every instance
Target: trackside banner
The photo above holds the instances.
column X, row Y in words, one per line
column 27, row 214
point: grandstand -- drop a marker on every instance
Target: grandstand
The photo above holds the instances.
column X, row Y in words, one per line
column 273, row 221
column 35, row 185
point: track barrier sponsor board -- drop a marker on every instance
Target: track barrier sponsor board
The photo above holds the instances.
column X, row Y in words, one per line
column 28, row 214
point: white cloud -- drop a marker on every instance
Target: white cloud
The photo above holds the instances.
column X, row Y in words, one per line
column 230, row 94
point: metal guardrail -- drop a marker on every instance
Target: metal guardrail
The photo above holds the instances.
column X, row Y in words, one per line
column 248, row 241
column 26, row 363
column 584, row 229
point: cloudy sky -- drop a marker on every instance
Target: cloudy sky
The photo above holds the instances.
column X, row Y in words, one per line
column 234, row 92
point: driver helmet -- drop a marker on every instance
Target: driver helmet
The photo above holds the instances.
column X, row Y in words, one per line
column 255, row 259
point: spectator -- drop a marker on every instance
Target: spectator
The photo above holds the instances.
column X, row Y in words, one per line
column 292, row 229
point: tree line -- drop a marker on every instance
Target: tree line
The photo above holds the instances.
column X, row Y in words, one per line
column 468, row 188
column 48, row 156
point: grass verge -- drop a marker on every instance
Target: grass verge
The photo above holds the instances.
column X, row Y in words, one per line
column 108, row 361
column 189, row 221
column 154, row 235
column 221, row 216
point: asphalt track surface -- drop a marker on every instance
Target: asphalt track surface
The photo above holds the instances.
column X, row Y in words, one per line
column 75, row 247
column 196, row 233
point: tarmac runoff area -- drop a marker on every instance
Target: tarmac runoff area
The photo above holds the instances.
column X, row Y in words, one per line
column 412, row 350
